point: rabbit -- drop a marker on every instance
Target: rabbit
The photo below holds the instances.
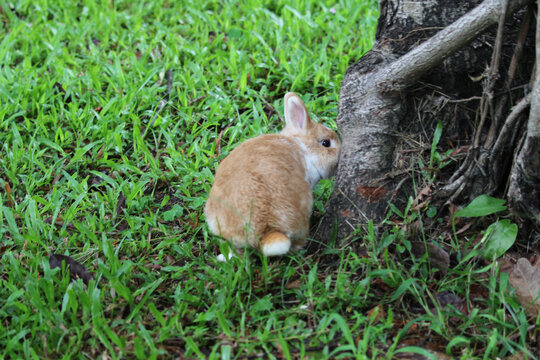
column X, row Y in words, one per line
column 262, row 192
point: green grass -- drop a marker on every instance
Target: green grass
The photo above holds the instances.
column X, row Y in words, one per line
column 81, row 81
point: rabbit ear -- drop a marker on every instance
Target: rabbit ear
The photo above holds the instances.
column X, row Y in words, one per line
column 296, row 115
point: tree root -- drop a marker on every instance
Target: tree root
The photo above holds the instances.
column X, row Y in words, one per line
column 485, row 160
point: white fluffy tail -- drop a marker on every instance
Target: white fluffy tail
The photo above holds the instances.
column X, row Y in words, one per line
column 275, row 243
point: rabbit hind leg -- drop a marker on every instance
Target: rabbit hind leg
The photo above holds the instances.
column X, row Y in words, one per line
column 298, row 243
column 275, row 243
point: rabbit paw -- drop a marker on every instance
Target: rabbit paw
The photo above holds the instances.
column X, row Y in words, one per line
column 223, row 258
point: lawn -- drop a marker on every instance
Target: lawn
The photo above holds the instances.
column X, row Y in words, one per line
column 113, row 118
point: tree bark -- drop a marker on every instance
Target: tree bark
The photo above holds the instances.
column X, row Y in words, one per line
column 524, row 192
column 376, row 104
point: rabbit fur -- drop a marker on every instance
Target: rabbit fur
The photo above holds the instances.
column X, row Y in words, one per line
column 262, row 191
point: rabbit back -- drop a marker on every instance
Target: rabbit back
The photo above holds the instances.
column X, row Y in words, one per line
column 259, row 188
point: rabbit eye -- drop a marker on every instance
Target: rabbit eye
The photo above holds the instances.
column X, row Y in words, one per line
column 325, row 143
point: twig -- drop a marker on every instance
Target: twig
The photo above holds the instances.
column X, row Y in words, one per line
column 218, row 141
column 487, row 97
column 412, row 32
column 354, row 205
column 197, row 99
column 396, row 189
column 463, row 100
column 518, row 334
column 272, row 109
column 518, row 51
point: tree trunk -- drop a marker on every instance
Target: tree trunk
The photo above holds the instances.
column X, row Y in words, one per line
column 434, row 60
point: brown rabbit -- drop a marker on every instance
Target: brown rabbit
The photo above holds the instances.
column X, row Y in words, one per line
column 262, row 190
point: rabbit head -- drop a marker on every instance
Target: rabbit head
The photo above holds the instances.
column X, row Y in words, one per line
column 320, row 146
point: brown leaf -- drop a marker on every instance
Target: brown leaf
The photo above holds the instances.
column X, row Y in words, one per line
column 526, row 279
column 296, row 284
column 478, row 292
column 76, row 270
column 535, row 260
column 426, row 191
column 372, row 193
column 120, row 204
column 506, row 264
column 8, row 194
column 380, row 313
column 414, row 356
column 452, row 208
column 169, row 259
column 438, row 257
column 441, row 302
column 420, row 202
column 60, row 90
column 517, row 356
column 446, row 298
column 379, row 284
column 100, row 152
column 347, row 213
column 464, row 228
column 56, row 178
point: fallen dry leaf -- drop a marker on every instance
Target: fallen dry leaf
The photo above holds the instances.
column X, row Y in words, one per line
column 296, row 284
column 120, row 204
column 438, row 257
column 420, row 202
column 426, row 191
column 415, row 356
column 380, row 313
column 441, row 302
column 535, row 260
column 76, row 270
column 506, row 264
column 8, row 194
column 517, row 356
column 525, row 278
column 446, row 298
column 372, row 193
column 464, row 228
